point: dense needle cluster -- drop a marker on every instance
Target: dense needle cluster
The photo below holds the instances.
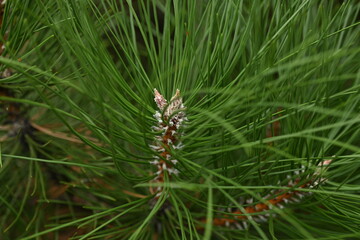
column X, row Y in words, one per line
column 170, row 118
column 2, row 8
column 281, row 197
column 10, row 111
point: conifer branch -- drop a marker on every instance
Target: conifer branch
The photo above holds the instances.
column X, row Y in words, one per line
column 260, row 211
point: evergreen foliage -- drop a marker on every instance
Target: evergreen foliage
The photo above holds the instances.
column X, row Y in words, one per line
column 271, row 89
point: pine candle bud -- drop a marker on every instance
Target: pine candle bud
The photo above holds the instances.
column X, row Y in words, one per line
column 170, row 118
